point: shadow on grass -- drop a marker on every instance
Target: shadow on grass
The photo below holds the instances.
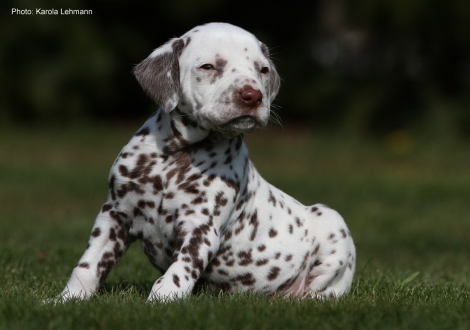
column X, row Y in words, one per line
column 143, row 288
column 140, row 288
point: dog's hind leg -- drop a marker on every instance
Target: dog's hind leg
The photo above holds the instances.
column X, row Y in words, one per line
column 333, row 257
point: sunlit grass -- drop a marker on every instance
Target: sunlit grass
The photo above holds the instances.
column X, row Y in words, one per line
column 407, row 209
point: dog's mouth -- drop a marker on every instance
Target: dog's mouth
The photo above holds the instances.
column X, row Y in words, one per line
column 242, row 124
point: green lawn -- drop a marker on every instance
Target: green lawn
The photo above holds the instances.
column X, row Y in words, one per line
column 405, row 199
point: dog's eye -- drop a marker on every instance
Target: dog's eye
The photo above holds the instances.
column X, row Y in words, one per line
column 264, row 70
column 207, row 67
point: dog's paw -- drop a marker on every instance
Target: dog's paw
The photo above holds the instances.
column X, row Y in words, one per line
column 65, row 297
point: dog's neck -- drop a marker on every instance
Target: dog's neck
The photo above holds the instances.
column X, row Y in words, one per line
column 187, row 127
column 183, row 132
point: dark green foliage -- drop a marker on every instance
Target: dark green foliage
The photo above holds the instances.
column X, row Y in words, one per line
column 363, row 66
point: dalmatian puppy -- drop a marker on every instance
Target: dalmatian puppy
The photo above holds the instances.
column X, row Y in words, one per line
column 185, row 187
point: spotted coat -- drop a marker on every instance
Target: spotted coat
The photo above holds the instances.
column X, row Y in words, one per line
column 185, row 187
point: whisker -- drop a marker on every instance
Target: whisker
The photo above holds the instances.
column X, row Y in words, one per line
column 275, row 118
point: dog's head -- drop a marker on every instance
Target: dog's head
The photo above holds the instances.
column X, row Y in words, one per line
column 218, row 74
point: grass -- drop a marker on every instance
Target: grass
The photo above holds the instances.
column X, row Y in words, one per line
column 404, row 198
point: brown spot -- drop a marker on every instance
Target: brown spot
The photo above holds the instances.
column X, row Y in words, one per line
column 112, row 234
column 106, row 208
column 220, row 200
column 96, row 232
column 137, row 212
column 161, row 210
column 170, row 174
column 317, row 248
column 215, row 262
column 220, row 65
column 262, row 262
column 157, row 184
column 122, row 234
column 272, row 233
column 111, row 186
column 245, row 257
column 198, row 264
column 189, row 212
column 273, row 273
column 129, row 187
column 228, row 235
column 197, row 200
column 246, row 279
column 176, row 280
column 261, row 248
column 195, row 242
column 288, row 257
column 271, row 198
column 254, row 222
column 84, row 265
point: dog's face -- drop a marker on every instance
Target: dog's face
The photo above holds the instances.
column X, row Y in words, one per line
column 218, row 74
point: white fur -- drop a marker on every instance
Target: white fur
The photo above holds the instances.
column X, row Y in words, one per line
column 185, row 187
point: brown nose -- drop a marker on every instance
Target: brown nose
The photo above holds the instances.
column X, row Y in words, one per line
column 251, row 97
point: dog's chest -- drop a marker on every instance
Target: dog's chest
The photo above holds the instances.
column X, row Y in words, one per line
column 153, row 190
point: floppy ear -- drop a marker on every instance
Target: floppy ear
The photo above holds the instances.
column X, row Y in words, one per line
column 159, row 74
column 274, row 79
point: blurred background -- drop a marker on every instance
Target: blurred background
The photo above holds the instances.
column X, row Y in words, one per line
column 362, row 67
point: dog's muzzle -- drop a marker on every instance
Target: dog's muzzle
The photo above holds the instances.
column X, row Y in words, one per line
column 242, row 124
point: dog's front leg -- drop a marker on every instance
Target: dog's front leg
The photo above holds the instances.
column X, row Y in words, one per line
column 196, row 243
column 108, row 242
